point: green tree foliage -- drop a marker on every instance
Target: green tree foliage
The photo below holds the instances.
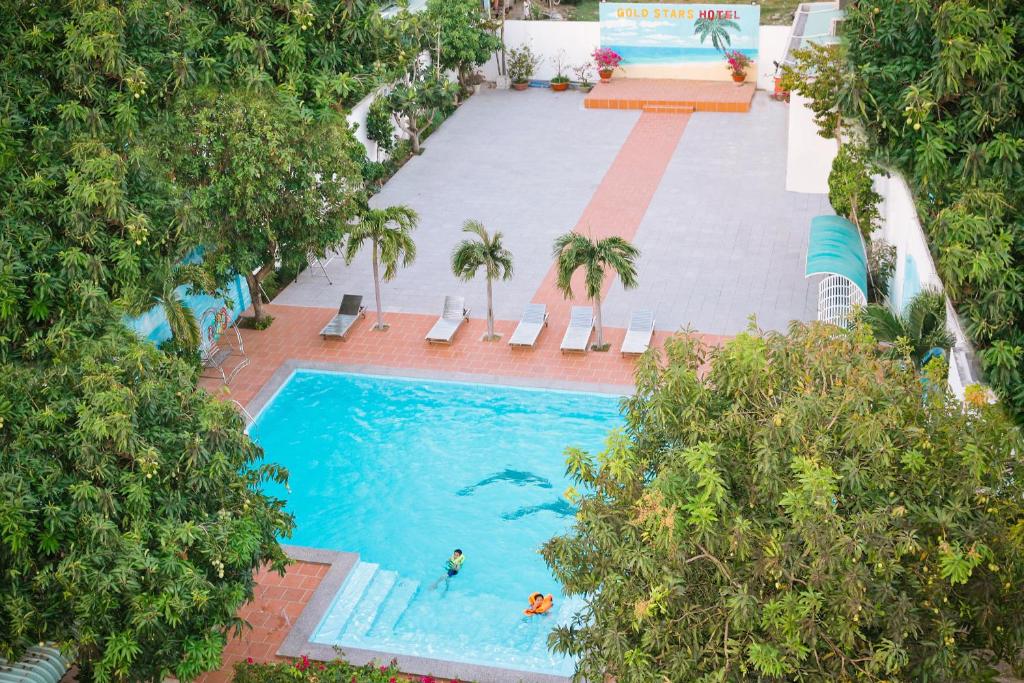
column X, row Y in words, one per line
column 488, row 252
column 389, row 232
column 416, row 102
column 262, row 183
column 379, row 126
column 921, row 328
column 131, row 517
column 850, row 189
column 800, row 511
column 464, row 34
column 946, row 86
column 89, row 219
column 573, row 251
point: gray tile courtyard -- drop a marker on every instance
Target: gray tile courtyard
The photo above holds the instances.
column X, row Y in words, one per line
column 721, row 240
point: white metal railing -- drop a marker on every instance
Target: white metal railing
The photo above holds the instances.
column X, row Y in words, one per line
column 837, row 295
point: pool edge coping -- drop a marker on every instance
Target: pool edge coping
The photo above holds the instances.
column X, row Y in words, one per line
column 273, row 385
column 297, row 643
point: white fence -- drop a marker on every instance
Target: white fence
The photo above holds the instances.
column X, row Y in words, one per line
column 579, row 39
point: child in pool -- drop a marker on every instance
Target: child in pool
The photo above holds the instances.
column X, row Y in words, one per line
column 451, row 568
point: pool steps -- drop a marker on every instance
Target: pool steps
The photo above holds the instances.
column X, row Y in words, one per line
column 370, row 599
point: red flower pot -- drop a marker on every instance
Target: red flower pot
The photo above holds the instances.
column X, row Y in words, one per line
column 739, row 78
column 606, row 75
column 521, row 86
column 559, row 87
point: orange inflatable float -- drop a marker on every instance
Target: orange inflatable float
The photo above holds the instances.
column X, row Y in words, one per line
column 539, row 604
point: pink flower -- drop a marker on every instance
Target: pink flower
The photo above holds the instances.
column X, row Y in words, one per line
column 392, row 680
column 250, row 660
column 606, row 58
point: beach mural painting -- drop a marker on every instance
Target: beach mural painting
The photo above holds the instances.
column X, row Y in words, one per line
column 682, row 40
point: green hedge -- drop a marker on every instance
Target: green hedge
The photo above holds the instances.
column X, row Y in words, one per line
column 304, row 670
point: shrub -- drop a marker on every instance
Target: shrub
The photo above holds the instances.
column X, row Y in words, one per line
column 850, row 187
column 379, row 126
column 304, row 670
column 522, row 62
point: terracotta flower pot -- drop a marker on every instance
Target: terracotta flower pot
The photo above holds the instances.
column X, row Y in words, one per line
column 606, row 75
column 521, row 86
column 560, row 87
column 739, row 78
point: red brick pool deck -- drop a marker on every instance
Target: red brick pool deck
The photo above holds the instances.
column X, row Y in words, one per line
column 617, row 207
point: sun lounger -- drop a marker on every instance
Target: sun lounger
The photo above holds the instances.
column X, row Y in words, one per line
column 638, row 336
column 535, row 318
column 581, row 325
column 216, row 348
column 350, row 310
column 455, row 313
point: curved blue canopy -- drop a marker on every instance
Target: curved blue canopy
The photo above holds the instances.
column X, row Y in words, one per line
column 836, row 247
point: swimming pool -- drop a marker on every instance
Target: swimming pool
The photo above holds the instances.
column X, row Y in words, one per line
column 403, row 471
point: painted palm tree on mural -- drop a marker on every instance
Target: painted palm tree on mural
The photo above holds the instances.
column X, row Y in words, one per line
column 717, row 30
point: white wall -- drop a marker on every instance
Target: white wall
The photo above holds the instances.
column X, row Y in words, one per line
column 808, row 155
column 915, row 270
column 358, row 116
column 579, row 39
column 771, row 48
column 546, row 38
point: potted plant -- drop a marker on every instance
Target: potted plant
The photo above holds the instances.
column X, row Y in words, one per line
column 560, row 82
column 607, row 61
column 521, row 64
column 583, row 73
column 738, row 63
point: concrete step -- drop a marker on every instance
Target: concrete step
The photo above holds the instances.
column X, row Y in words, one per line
column 390, row 613
column 667, row 108
column 365, row 613
column 344, row 604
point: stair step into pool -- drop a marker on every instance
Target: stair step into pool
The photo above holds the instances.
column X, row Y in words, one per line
column 394, row 606
column 345, row 603
column 365, row 613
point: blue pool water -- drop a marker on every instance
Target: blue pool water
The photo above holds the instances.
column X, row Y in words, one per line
column 402, row 472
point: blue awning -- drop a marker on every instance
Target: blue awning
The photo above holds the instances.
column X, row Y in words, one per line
column 836, row 248
column 42, row 664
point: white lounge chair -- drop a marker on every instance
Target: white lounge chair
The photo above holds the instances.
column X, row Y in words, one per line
column 216, row 347
column 455, row 313
column 639, row 333
column 535, row 318
column 350, row 310
column 581, row 326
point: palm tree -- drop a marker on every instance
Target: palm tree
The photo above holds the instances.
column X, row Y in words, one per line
column 388, row 231
column 716, row 29
column 574, row 251
column 921, row 328
column 161, row 289
column 488, row 253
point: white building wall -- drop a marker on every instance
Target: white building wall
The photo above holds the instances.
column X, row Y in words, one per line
column 357, row 116
column 915, row 270
column 809, row 156
column 771, row 49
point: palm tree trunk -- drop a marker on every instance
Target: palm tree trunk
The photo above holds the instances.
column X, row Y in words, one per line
column 255, row 295
column 376, row 288
column 600, row 324
column 490, row 313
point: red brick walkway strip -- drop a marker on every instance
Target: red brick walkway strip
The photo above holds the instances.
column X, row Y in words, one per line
column 622, row 198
